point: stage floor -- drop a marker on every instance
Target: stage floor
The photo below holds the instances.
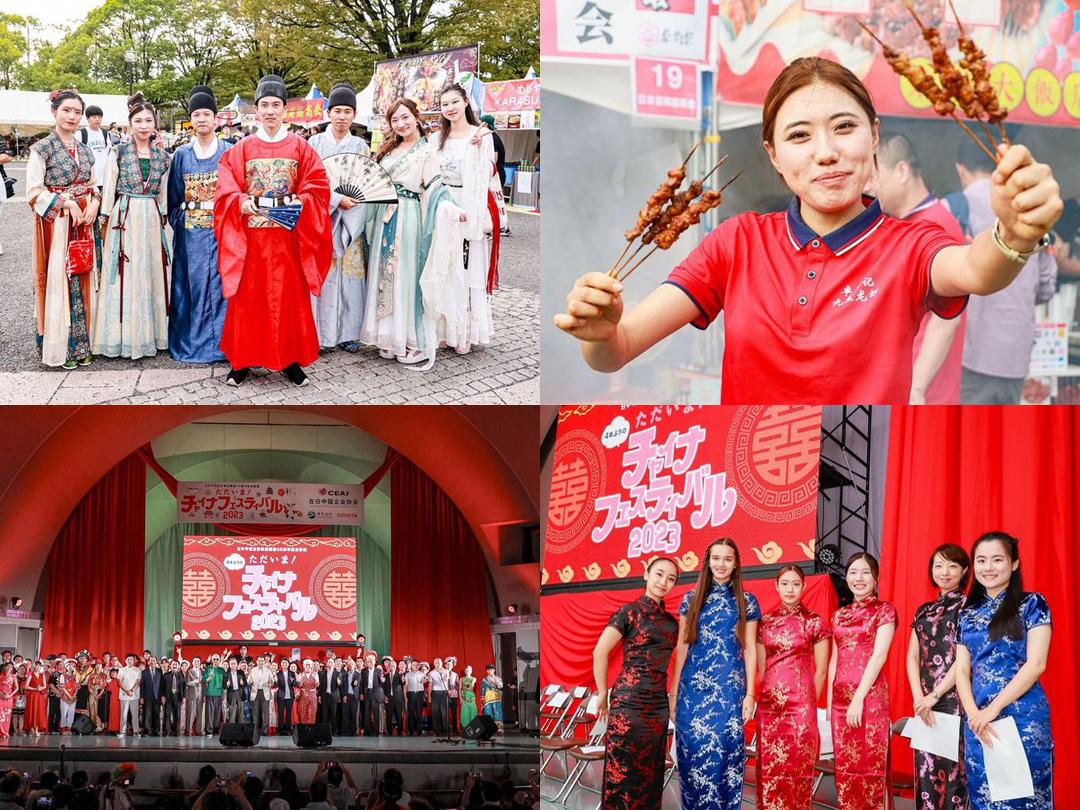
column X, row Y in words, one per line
column 510, row 748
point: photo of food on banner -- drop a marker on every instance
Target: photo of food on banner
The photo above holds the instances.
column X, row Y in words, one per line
column 847, row 201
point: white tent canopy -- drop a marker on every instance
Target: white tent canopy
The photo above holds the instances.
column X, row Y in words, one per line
column 28, row 111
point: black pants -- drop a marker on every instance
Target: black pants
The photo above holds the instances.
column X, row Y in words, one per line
column 372, row 700
column 54, row 715
column 455, row 713
column 328, row 711
column 151, row 715
column 395, row 721
column 438, row 711
column 284, row 714
column 416, row 709
column 172, row 715
column 260, row 711
column 347, row 717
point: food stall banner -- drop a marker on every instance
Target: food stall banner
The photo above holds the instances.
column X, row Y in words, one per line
column 632, row 482
column 268, row 588
column 269, row 502
column 305, row 111
column 515, row 95
column 1033, row 49
column 615, row 30
column 421, row 77
column 668, row 90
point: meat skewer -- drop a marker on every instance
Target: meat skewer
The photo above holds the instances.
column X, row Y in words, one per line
column 974, row 62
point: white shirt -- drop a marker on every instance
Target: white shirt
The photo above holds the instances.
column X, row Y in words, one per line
column 438, row 680
column 260, row 678
column 203, row 154
column 99, row 145
column 414, row 681
column 129, row 678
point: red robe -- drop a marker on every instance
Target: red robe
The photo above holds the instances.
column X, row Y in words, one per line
column 268, row 272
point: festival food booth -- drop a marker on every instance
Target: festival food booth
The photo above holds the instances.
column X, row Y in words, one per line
column 515, row 105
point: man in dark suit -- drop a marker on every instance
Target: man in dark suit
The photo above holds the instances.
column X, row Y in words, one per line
column 172, row 695
column 235, row 681
column 285, row 695
column 350, row 700
column 372, row 688
column 329, row 693
column 151, row 697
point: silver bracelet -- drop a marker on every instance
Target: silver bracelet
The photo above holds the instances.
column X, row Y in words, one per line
column 1018, row 256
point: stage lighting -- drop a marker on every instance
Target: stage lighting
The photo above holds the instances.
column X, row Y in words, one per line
column 512, row 609
column 16, row 602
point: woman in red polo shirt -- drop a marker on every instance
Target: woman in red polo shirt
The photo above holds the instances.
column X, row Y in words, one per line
column 812, row 318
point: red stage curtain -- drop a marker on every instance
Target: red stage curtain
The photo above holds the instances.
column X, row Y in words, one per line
column 94, row 585
column 954, row 473
column 570, row 623
column 438, row 576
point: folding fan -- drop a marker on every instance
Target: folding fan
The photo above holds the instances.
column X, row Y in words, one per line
column 360, row 178
column 285, row 215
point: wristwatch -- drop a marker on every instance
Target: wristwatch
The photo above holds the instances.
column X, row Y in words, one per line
column 1018, row 256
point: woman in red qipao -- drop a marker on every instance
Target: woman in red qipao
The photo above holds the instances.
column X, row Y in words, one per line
column 638, row 710
column 793, row 654
column 307, row 688
column 112, row 689
column 9, row 685
column 268, row 271
column 858, row 694
column 35, row 721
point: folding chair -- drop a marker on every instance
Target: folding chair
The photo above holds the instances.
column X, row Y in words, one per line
column 554, row 711
column 583, row 756
column 561, row 749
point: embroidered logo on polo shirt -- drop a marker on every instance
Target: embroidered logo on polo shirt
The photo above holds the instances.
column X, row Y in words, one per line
column 863, row 292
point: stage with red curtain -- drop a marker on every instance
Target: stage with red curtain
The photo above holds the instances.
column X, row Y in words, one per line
column 439, row 580
column 955, row 473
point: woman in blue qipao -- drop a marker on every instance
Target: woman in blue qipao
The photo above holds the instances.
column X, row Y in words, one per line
column 715, row 659
column 1004, row 640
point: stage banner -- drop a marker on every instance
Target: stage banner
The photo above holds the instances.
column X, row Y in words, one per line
column 516, row 95
column 269, row 502
column 1033, row 48
column 269, row 588
column 423, row 76
column 632, row 482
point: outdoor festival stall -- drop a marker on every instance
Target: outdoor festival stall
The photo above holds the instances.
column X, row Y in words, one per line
column 24, row 113
column 515, row 105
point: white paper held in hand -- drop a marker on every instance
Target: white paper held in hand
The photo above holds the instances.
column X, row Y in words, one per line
column 1008, row 774
column 941, row 739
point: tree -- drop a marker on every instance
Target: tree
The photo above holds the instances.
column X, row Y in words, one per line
column 12, row 47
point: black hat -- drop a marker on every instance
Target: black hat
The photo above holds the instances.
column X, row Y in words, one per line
column 342, row 94
column 271, row 85
column 201, row 98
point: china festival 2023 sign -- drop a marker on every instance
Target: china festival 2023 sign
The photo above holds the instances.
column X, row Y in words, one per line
column 269, row 588
column 630, row 483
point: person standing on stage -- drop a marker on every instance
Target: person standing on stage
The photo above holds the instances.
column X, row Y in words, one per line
column 439, row 679
column 198, row 308
column 235, row 685
column 9, row 685
column 112, row 687
column 715, row 665
column 330, row 692
column 453, row 693
column 284, row 697
column 34, row 720
column 151, row 696
column 131, row 319
column 60, row 189
column 414, row 696
column 372, row 695
column 213, row 685
column 491, row 687
column 1001, row 650
column 307, row 699
column 829, row 272
column 637, row 709
column 260, row 679
column 54, row 672
column 130, row 682
column 69, row 685
column 268, row 270
column 468, row 697
column 193, row 699
column 858, row 694
column 395, row 722
column 350, row 700
column 83, row 671
column 793, row 658
column 99, row 697
column 172, row 698
column 339, row 307
column 931, row 671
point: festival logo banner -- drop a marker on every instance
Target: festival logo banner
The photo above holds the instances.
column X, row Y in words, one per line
column 630, row 483
column 1033, row 49
column 269, row 588
column 423, row 76
column 269, row 502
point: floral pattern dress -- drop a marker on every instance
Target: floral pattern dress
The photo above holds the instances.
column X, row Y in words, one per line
column 709, row 739
column 993, row 665
column 861, row 753
column 941, row 782
column 638, row 718
column 788, row 740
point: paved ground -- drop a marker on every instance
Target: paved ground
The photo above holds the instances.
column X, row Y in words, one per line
column 506, row 372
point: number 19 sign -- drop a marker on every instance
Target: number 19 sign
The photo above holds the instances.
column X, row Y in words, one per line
column 665, row 88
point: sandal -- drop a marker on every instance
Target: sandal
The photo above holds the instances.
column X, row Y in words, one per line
column 410, row 357
column 386, row 354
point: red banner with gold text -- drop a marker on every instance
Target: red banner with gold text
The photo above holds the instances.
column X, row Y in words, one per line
column 632, row 482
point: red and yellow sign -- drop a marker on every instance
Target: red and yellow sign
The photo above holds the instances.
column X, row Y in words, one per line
column 269, row 588
column 631, row 483
column 304, row 111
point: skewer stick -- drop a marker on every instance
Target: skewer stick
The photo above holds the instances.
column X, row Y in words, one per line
column 975, row 138
column 956, row 17
column 629, row 242
column 986, row 129
column 619, row 269
column 641, row 261
column 918, row 22
column 732, row 180
column 1004, row 134
column 690, row 155
column 719, row 163
column 868, row 30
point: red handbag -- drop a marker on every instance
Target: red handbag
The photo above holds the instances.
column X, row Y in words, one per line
column 80, row 255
